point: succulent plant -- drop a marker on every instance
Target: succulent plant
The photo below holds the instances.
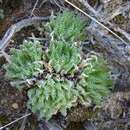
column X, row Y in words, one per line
column 74, row 80
column 25, row 61
column 67, row 26
column 52, row 96
column 63, row 56
column 95, row 79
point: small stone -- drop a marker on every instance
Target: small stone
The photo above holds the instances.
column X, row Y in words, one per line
column 15, row 106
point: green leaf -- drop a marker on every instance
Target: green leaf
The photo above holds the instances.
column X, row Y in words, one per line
column 63, row 56
column 25, row 61
column 67, row 26
column 95, row 79
column 43, row 102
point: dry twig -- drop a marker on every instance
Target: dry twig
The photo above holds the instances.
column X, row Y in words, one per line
column 17, row 27
column 34, row 7
column 24, row 122
column 26, row 115
column 105, row 16
column 95, row 20
column 43, row 2
column 88, row 7
column 121, row 31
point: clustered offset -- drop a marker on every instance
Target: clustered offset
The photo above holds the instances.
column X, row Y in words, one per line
column 71, row 79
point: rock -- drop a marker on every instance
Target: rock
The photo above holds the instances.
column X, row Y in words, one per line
column 50, row 125
column 15, row 106
column 88, row 125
